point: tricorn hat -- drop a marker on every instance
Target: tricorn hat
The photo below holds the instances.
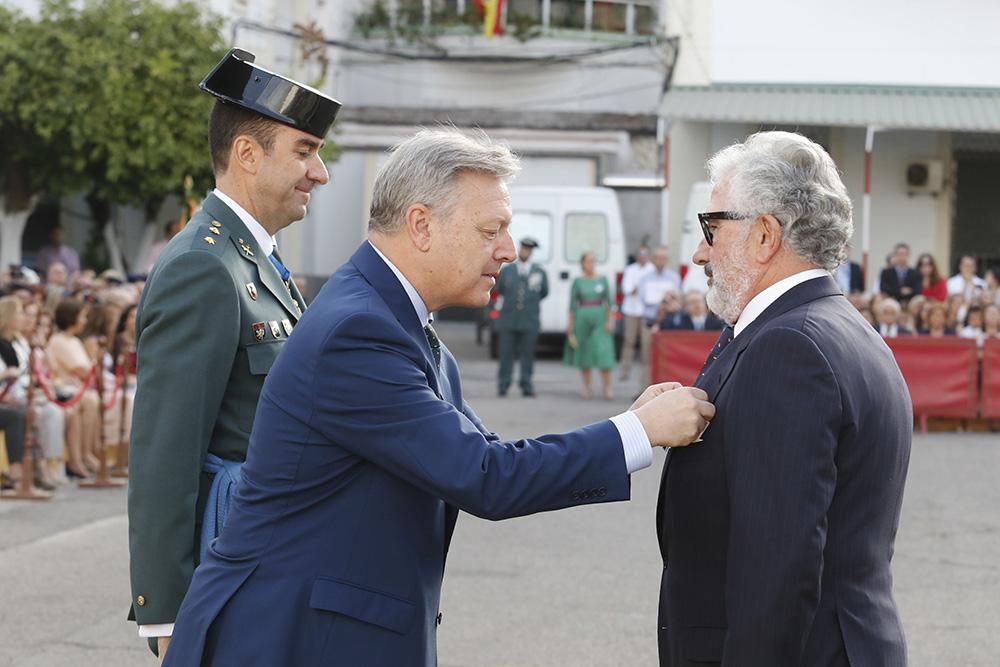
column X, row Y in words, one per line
column 238, row 81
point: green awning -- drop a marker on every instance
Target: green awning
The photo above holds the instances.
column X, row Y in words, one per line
column 885, row 107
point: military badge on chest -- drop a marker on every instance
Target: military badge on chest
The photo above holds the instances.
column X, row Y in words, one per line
column 259, row 330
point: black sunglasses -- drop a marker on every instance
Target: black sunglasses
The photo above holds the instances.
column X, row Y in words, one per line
column 705, row 218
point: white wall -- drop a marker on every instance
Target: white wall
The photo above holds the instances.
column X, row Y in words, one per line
column 906, row 42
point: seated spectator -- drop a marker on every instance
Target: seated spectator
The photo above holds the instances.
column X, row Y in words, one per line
column 937, row 322
column 991, row 293
column 49, row 424
column 887, row 317
column 966, row 283
column 98, row 336
column 12, row 418
column 933, row 286
column 991, row 321
column 70, row 368
column 670, row 314
column 915, row 312
column 973, row 325
column 697, row 315
column 957, row 306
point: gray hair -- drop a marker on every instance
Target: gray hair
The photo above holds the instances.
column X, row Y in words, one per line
column 792, row 178
column 424, row 169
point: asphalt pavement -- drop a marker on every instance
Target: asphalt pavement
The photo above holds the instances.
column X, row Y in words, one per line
column 577, row 587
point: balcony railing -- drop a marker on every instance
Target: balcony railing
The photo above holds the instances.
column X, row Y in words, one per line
column 521, row 18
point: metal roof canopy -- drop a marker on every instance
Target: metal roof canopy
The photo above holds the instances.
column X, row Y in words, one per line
column 882, row 107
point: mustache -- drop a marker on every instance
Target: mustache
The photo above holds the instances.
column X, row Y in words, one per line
column 708, row 270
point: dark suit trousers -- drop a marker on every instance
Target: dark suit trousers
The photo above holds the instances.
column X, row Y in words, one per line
column 520, row 345
column 12, row 424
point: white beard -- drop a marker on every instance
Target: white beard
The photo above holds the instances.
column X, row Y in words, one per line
column 727, row 294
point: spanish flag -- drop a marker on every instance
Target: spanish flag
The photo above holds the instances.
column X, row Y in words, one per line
column 492, row 11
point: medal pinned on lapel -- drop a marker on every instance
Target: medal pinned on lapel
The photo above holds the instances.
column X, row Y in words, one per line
column 252, row 290
column 259, row 330
column 287, row 326
column 275, row 329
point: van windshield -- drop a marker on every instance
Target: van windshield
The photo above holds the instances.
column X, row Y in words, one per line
column 537, row 225
column 586, row 232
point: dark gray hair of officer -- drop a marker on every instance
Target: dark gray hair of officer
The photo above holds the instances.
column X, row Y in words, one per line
column 424, row 169
column 794, row 179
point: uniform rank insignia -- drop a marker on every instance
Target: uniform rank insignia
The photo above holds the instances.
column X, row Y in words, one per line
column 214, row 230
column 275, row 329
column 259, row 330
column 287, row 326
column 209, row 240
column 252, row 289
column 246, row 248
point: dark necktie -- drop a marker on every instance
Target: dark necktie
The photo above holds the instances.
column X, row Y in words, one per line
column 724, row 340
column 435, row 344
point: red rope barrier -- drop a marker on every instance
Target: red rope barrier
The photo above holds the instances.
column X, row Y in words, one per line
column 119, row 377
column 6, row 389
column 47, row 390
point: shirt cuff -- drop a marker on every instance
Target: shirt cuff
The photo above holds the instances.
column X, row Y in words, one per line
column 635, row 442
column 158, row 630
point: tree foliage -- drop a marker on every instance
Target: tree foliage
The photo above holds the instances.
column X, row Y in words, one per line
column 103, row 96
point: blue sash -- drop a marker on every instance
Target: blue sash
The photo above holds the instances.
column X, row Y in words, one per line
column 227, row 476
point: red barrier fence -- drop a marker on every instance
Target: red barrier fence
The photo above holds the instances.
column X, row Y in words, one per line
column 942, row 374
column 677, row 356
column 991, row 379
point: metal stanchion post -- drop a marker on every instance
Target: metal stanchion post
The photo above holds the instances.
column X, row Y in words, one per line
column 103, row 479
column 121, row 460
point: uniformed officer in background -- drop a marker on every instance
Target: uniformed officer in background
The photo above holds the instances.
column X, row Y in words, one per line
column 522, row 285
column 217, row 308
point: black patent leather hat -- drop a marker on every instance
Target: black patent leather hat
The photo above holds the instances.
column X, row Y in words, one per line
column 238, row 81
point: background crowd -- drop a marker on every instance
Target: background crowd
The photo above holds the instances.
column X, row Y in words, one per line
column 67, row 343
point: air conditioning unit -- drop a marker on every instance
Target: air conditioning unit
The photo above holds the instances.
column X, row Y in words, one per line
column 925, row 177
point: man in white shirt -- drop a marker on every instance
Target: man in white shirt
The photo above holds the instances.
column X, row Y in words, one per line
column 966, row 283
column 652, row 288
column 632, row 309
column 777, row 530
column 217, row 308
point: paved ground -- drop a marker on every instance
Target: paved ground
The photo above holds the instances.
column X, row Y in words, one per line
column 575, row 588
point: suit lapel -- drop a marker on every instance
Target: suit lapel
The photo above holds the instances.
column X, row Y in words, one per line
column 387, row 285
column 244, row 241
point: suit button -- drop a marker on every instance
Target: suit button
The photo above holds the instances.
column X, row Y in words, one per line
column 439, row 618
column 140, row 601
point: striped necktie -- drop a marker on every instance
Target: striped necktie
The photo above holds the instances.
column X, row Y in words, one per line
column 724, row 340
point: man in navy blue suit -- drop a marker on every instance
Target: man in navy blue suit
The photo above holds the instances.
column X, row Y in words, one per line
column 363, row 450
column 777, row 530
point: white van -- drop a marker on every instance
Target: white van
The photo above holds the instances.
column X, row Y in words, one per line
column 694, row 275
column 566, row 222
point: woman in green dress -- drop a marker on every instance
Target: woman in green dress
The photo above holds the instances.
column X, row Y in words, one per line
column 591, row 320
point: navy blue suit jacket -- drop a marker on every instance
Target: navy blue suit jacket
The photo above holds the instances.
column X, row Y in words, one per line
column 777, row 531
column 361, row 455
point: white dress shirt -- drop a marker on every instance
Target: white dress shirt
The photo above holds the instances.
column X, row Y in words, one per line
column 760, row 303
column 631, row 301
column 635, row 444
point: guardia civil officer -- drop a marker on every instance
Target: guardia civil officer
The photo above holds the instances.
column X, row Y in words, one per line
column 217, row 308
column 522, row 285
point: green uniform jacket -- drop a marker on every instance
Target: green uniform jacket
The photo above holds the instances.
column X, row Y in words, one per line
column 212, row 319
column 521, row 298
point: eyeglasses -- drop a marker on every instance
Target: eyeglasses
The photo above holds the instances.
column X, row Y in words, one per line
column 705, row 218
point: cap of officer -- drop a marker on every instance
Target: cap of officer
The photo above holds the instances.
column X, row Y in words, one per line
column 237, row 80
column 529, row 242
